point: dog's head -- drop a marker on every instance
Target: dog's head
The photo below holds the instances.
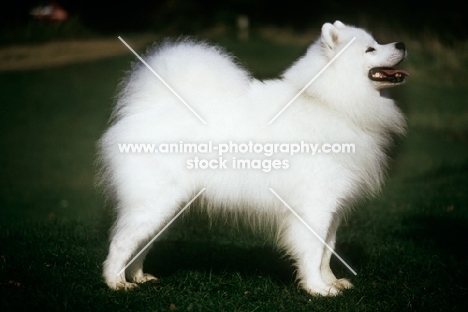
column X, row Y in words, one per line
column 364, row 56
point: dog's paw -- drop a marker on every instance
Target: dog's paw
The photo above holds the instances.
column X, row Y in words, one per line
column 119, row 283
column 328, row 289
column 125, row 286
column 145, row 278
column 324, row 290
column 343, row 283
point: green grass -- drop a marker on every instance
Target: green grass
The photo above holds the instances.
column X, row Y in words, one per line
column 407, row 245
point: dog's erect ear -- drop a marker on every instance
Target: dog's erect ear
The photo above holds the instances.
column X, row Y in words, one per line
column 339, row 24
column 329, row 35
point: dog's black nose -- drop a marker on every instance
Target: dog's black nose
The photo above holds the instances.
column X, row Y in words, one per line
column 400, row 46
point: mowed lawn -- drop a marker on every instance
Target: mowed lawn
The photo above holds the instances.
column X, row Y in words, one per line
column 407, row 245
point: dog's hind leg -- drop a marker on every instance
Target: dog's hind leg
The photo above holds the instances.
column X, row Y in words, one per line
column 135, row 269
column 134, row 228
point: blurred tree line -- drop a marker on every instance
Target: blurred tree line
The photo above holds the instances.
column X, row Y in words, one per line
column 445, row 18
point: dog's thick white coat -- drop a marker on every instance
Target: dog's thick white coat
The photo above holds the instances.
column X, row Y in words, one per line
column 342, row 106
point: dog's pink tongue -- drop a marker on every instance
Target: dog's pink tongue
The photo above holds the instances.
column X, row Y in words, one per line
column 391, row 72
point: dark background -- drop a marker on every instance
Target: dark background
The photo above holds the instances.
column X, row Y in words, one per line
column 408, row 244
column 445, row 18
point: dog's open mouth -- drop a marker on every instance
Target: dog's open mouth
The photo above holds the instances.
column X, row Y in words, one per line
column 387, row 74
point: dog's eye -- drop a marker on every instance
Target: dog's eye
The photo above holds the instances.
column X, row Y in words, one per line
column 370, row 49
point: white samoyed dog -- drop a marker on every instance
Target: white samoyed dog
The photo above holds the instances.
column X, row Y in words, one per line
column 342, row 105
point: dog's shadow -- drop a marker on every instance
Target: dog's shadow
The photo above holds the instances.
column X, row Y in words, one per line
column 194, row 242
column 169, row 257
column 220, row 256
